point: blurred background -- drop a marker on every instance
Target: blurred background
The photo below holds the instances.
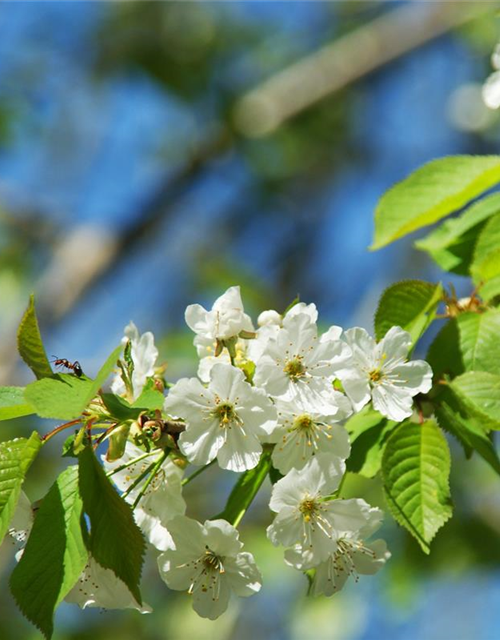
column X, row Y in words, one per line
column 153, row 154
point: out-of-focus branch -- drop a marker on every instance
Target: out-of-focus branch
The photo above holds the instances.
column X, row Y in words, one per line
column 266, row 107
column 87, row 254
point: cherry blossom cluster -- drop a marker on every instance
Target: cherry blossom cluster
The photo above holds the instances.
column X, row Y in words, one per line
column 281, row 389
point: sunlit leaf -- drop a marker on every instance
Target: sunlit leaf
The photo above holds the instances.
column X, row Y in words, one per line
column 432, row 192
column 55, row 554
column 29, row 343
column 415, row 469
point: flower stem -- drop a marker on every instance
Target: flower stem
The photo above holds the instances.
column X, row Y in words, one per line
column 139, row 479
column 60, row 428
column 245, row 490
column 130, row 462
column 197, row 472
column 155, row 467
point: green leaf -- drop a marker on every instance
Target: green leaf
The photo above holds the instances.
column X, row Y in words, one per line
column 103, row 374
column 452, row 244
column 115, row 541
column 75, row 444
column 466, row 428
column 16, row 457
column 29, row 343
column 444, row 354
column 415, row 469
column 150, row 398
column 13, row 404
column 410, row 304
column 486, row 262
column 65, row 396
column 491, row 289
column 480, row 340
column 245, row 490
column 368, row 433
column 119, row 408
column 432, row 192
column 479, row 392
column 54, row 556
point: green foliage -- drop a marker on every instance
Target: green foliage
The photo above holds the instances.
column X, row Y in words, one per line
column 432, row 192
column 452, row 244
column 13, row 404
column 245, row 490
column 119, row 408
column 368, row 433
column 410, row 304
column 444, row 354
column 55, row 554
column 150, row 398
column 486, row 261
column 491, row 289
column 74, row 444
column 103, row 374
column 479, row 392
column 65, row 396
column 115, row 541
column 480, row 340
column 29, row 343
column 16, row 457
column 415, row 469
column 467, row 429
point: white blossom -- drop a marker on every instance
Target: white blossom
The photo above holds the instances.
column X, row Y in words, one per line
column 227, row 420
column 381, row 372
column 491, row 87
column 270, row 317
column 99, row 587
column 296, row 364
column 307, row 518
column 144, row 355
column 162, row 499
column 224, row 321
column 305, row 429
column 207, row 561
column 353, row 558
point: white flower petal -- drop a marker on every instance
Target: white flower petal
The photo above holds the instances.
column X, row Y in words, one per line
column 201, row 442
column 491, row 91
column 394, row 347
column 99, row 587
column 240, row 451
column 269, row 317
column 414, row 376
column 222, row 537
column 392, row 402
column 243, row 574
column 362, row 345
column 208, row 604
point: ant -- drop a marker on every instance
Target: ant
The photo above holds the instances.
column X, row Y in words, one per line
column 74, row 366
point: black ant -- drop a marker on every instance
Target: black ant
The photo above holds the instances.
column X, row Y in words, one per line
column 74, row 366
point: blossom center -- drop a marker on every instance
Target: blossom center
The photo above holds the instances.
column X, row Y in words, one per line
column 226, row 414
column 303, row 423
column 212, row 561
column 375, row 375
column 309, row 508
column 294, row 368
